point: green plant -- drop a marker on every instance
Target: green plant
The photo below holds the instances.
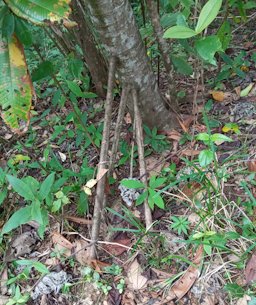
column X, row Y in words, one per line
column 18, row 298
column 180, row 224
column 157, row 141
column 149, row 193
column 31, row 190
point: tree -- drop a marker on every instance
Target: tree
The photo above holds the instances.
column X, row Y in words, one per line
column 116, row 25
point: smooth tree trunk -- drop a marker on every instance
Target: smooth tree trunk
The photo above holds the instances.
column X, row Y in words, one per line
column 116, row 26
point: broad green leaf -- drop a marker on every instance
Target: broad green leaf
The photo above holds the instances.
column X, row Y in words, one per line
column 21, row 187
column 8, row 25
column 36, row 212
column 132, row 184
column 203, row 136
column 43, row 70
column 46, row 186
column 142, row 198
column 208, row 14
column 207, row 47
column 181, row 65
column 220, row 137
column 179, row 32
column 40, row 11
column 155, row 182
column 224, row 34
column 168, row 20
column 17, row 219
column 205, row 157
column 37, row 265
column 23, row 32
column 156, row 198
column 75, row 89
column 15, row 85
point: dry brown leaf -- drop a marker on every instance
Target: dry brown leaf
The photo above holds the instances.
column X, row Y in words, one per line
column 250, row 270
column 4, row 279
column 136, row 279
column 79, row 220
column 190, row 152
column 98, row 265
column 218, row 95
column 62, row 244
column 155, row 165
column 101, row 173
column 173, row 135
column 252, row 165
column 186, row 281
column 116, row 249
column 4, row 299
column 192, row 190
column 244, row 300
column 81, row 252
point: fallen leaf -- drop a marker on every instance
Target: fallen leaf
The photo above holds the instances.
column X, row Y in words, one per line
column 62, row 244
column 4, row 299
column 244, row 300
column 63, row 157
column 136, row 279
column 190, row 152
column 173, row 135
column 186, row 281
column 192, row 190
column 154, row 165
column 250, row 270
column 116, row 249
column 4, row 279
column 81, row 251
column 79, row 220
column 252, row 165
column 98, row 265
column 218, row 95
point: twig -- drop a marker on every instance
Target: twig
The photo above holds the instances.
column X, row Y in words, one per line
column 139, row 139
column 99, row 199
column 120, row 116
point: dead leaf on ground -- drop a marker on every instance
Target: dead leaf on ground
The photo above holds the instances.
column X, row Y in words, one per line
column 98, row 265
column 190, row 152
column 79, row 220
column 62, row 244
column 154, row 165
column 4, row 279
column 244, row 300
column 136, row 279
column 116, row 249
column 193, row 190
column 252, row 165
column 250, row 270
column 186, row 281
column 220, row 96
column 4, row 299
column 173, row 135
column 81, row 252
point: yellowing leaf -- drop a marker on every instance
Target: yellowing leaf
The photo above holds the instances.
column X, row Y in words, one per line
column 18, row 158
column 218, row 95
column 15, row 85
column 87, row 190
column 91, row 183
column 246, row 90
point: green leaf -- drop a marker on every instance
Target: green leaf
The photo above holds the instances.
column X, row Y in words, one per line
column 208, row 14
column 43, row 70
column 17, row 219
column 220, row 137
column 133, row 184
column 76, row 90
column 207, row 47
column 156, row 198
column 181, row 65
column 142, row 197
column 156, row 182
column 15, row 84
column 46, row 186
column 40, row 11
column 3, row 195
column 203, row 137
column 21, row 187
column 205, row 157
column 179, row 32
column 8, row 25
column 23, row 32
column 224, row 34
column 246, row 90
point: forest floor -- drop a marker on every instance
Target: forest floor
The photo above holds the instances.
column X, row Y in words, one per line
column 201, row 247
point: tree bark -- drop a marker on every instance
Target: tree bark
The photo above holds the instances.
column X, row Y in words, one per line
column 94, row 59
column 115, row 23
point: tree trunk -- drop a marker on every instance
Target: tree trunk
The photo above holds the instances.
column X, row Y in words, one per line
column 93, row 57
column 115, row 23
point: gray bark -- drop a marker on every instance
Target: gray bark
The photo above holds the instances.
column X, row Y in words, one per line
column 115, row 23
